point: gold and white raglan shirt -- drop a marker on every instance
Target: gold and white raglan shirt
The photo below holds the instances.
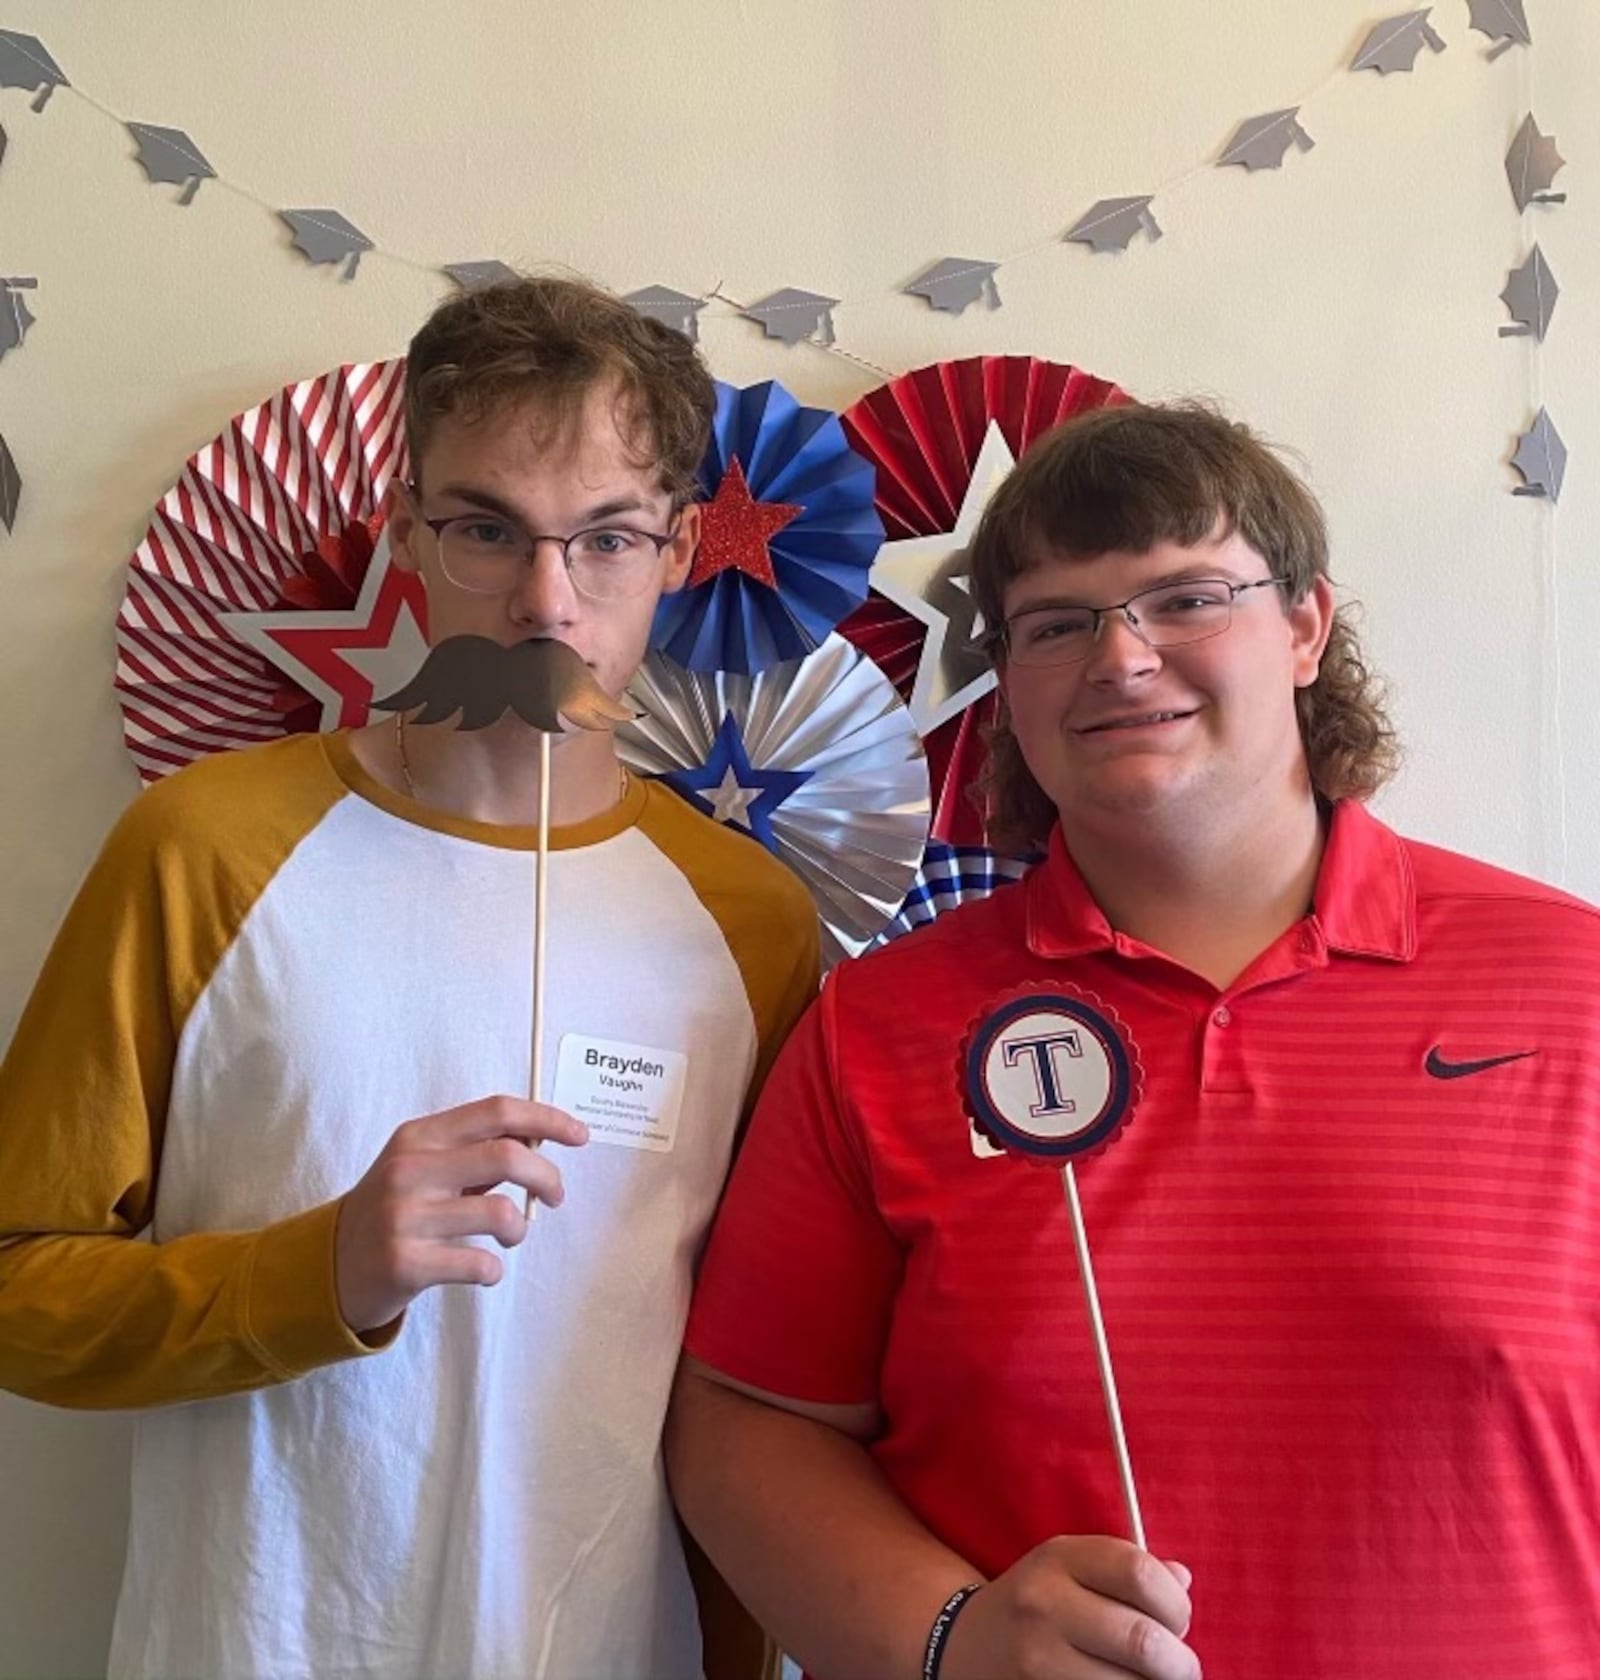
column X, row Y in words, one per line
column 274, row 963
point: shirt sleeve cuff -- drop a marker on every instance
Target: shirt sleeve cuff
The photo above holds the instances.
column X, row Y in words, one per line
column 291, row 1301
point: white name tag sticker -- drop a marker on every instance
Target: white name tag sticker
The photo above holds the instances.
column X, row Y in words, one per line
column 626, row 1094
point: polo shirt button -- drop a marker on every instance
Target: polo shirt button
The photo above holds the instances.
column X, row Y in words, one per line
column 1221, row 1017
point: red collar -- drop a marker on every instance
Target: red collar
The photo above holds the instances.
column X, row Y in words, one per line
column 1364, row 904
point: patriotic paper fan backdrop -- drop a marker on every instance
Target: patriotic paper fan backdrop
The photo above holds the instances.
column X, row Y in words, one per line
column 817, row 759
column 949, row 876
column 940, row 438
column 788, row 535
column 261, row 600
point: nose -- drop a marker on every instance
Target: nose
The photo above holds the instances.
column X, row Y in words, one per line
column 544, row 599
column 1120, row 653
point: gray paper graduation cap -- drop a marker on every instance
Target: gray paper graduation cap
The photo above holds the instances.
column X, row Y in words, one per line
column 1505, row 22
column 169, row 155
column 472, row 276
column 792, row 314
column 675, row 309
column 10, row 486
column 15, row 315
column 1532, row 164
column 1263, row 142
column 1530, row 294
column 1112, row 222
column 327, row 237
column 1395, row 43
column 953, row 283
column 24, row 63
column 1541, row 458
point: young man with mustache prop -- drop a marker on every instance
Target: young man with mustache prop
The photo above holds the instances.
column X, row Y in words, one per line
column 388, row 1427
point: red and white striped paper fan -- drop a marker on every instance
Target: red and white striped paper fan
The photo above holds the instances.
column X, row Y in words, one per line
column 275, row 523
column 925, row 433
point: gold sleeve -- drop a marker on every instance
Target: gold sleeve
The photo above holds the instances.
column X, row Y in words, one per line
column 91, row 1315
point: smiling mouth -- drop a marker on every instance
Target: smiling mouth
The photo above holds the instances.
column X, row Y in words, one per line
column 1143, row 721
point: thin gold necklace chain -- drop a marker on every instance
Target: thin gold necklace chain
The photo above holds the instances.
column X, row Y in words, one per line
column 410, row 781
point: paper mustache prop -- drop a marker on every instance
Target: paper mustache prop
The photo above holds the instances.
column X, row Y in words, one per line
column 542, row 681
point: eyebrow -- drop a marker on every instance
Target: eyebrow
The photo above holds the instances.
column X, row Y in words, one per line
column 1184, row 574
column 494, row 504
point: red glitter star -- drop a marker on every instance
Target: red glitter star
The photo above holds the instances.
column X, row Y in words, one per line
column 735, row 528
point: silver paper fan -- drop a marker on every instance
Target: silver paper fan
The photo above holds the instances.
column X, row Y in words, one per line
column 835, row 778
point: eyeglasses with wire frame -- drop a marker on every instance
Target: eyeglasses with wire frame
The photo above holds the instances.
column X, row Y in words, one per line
column 485, row 553
column 1167, row 615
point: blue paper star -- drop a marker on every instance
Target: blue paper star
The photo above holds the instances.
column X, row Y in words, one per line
column 730, row 789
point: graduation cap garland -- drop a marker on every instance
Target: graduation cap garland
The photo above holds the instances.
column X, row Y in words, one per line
column 169, row 155
column 951, row 285
column 793, row 315
column 1530, row 291
column 1530, row 294
column 327, row 237
column 1111, row 224
column 26, row 63
column 469, row 276
column 1263, row 142
column 1395, row 43
column 1532, row 164
column 1505, row 22
column 1541, row 458
column 955, row 282
column 675, row 309
column 10, row 486
column 15, row 315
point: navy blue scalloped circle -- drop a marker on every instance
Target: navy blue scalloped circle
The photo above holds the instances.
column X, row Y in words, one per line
column 1010, row 1136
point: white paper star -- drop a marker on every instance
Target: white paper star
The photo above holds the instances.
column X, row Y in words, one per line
column 927, row 577
column 342, row 657
column 730, row 802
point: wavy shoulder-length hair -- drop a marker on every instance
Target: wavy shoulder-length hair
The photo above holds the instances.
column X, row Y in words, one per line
column 1125, row 478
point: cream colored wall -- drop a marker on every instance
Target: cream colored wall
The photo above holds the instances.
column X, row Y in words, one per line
column 1347, row 305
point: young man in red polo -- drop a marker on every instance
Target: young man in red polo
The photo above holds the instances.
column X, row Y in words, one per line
column 1348, row 1242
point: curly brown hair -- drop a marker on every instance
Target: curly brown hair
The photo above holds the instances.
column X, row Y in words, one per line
column 550, row 341
column 1123, row 479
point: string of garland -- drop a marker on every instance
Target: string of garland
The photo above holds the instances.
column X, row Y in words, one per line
column 950, row 285
column 1530, row 296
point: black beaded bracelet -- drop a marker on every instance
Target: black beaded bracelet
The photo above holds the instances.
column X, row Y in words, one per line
column 939, row 1633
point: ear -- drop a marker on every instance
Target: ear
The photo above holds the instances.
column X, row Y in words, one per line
column 1310, row 625
column 402, row 522
column 1002, row 680
column 680, row 551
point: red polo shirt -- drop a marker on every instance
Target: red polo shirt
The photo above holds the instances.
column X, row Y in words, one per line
column 1351, row 1279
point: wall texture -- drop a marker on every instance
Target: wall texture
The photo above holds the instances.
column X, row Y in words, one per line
column 1347, row 305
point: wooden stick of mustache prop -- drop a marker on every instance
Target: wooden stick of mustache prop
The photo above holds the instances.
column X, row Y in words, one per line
column 543, row 682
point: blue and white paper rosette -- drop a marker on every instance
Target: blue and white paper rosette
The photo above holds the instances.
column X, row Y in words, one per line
column 951, row 876
column 829, row 757
column 820, row 561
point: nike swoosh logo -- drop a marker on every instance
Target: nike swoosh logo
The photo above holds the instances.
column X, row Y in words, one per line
column 1441, row 1069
